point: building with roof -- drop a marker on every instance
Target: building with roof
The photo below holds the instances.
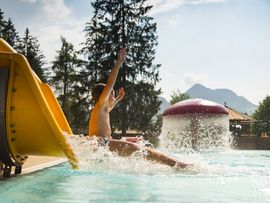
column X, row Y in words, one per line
column 240, row 123
column 243, row 138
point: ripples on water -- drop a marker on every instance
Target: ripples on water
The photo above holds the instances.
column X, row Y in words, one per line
column 218, row 175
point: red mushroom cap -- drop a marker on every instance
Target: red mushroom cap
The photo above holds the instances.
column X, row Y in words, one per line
column 195, row 106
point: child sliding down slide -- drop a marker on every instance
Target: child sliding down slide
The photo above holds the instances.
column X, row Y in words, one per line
column 99, row 124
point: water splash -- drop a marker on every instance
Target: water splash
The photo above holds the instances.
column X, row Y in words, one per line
column 198, row 132
column 175, row 140
column 93, row 157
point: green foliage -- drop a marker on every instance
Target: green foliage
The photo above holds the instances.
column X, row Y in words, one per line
column 10, row 34
column 125, row 24
column 8, row 31
column 262, row 115
column 30, row 48
column 177, row 96
column 2, row 22
column 263, row 111
column 66, row 79
column 154, row 131
column 27, row 45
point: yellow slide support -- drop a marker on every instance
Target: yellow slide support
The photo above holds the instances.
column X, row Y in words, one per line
column 34, row 123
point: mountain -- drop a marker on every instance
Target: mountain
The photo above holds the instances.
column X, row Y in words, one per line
column 220, row 96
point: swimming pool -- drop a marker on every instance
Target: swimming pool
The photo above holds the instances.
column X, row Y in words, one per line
column 217, row 176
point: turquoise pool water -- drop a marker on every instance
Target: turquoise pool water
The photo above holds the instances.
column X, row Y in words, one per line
column 217, row 176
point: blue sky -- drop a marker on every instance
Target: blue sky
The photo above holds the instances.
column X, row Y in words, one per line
column 218, row 43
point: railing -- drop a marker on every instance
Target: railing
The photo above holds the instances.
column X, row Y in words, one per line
column 258, row 128
column 262, row 127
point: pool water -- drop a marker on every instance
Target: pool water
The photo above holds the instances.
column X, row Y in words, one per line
column 223, row 175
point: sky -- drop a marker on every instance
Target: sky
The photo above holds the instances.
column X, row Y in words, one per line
column 217, row 43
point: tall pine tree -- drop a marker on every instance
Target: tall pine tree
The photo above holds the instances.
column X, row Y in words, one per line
column 118, row 24
column 67, row 82
column 8, row 31
column 2, row 23
column 10, row 34
column 30, row 48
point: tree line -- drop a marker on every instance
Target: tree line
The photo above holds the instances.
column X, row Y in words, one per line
column 73, row 73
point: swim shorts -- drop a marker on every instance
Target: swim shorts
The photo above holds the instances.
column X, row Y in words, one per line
column 103, row 141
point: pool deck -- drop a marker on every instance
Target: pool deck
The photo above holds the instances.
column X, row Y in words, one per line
column 35, row 163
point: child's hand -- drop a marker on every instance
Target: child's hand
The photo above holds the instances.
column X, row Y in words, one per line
column 121, row 92
column 122, row 55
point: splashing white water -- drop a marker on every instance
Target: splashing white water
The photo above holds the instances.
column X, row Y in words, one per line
column 175, row 140
column 203, row 131
column 93, row 157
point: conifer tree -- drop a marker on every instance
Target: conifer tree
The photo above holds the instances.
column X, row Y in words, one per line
column 2, row 23
column 8, row 31
column 10, row 34
column 177, row 96
column 263, row 110
column 118, row 24
column 66, row 81
column 262, row 115
column 30, row 48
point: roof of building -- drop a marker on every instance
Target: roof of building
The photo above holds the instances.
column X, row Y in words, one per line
column 235, row 115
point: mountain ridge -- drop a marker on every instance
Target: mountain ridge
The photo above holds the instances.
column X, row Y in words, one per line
column 222, row 95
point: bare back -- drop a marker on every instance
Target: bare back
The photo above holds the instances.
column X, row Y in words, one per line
column 99, row 124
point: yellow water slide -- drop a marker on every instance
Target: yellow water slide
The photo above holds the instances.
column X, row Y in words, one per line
column 31, row 119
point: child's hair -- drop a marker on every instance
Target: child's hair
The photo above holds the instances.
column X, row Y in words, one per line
column 97, row 91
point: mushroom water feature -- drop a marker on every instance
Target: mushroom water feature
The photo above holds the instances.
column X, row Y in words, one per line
column 195, row 123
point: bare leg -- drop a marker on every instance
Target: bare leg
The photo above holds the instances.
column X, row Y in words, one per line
column 164, row 159
column 124, row 148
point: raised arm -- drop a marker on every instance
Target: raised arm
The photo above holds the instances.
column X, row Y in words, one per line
column 120, row 96
column 113, row 75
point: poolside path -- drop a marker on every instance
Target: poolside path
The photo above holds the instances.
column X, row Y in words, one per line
column 35, row 163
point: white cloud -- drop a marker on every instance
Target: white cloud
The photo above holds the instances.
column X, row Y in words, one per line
column 56, row 9
column 29, row 1
column 165, row 73
column 49, row 37
column 191, row 79
column 163, row 6
column 205, row 1
column 174, row 22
